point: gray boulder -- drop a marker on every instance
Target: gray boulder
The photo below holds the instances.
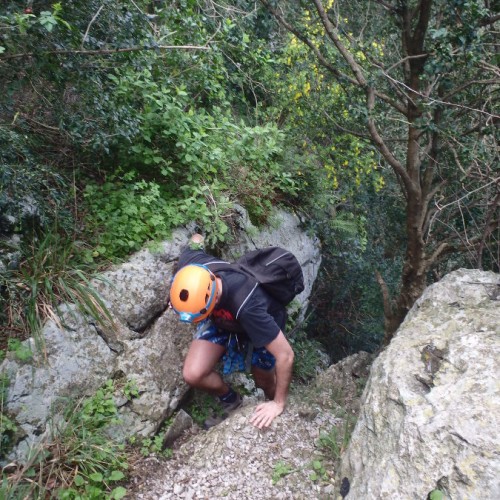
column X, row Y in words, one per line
column 74, row 362
column 137, row 290
column 430, row 411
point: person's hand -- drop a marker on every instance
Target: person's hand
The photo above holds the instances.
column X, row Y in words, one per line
column 265, row 413
column 197, row 238
column 196, row 242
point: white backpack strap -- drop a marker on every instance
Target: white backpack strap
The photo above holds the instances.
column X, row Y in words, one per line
column 246, row 300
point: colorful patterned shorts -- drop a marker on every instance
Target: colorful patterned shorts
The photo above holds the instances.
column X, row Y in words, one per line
column 234, row 359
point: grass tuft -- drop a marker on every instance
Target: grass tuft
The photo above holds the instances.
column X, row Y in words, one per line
column 79, row 460
column 51, row 272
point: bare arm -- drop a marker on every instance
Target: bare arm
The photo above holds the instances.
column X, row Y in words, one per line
column 265, row 413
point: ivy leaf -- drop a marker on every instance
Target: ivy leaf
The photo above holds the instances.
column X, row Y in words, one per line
column 436, row 495
column 118, row 493
column 116, row 475
column 97, row 477
column 47, row 20
column 79, row 481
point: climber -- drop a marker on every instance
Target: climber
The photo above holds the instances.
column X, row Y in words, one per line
column 200, row 297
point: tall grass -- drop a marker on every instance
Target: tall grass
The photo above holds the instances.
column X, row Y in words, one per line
column 51, row 272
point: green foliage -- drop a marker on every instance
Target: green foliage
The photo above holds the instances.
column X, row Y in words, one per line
column 196, row 147
column 22, row 351
column 336, row 440
column 128, row 213
column 154, row 446
column 201, row 407
column 100, row 410
column 33, row 195
column 308, row 359
column 51, row 271
column 7, row 430
column 436, row 495
column 318, row 471
column 80, row 461
column 130, row 390
column 7, row 427
column 280, row 470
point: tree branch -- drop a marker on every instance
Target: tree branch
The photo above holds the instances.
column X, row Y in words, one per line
column 370, row 95
column 96, row 15
column 342, row 77
column 382, row 146
column 104, row 51
column 439, row 101
column 487, row 229
column 441, row 208
column 386, row 298
column 321, row 58
column 330, row 31
column 417, row 41
column 435, row 255
column 489, row 20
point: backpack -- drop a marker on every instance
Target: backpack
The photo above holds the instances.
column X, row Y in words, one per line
column 275, row 269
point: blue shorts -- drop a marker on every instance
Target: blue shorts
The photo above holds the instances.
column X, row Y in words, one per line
column 236, row 349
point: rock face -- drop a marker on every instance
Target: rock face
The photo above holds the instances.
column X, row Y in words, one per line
column 431, row 409
column 144, row 351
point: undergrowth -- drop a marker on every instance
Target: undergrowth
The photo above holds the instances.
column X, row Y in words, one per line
column 308, row 358
column 79, row 461
column 335, row 442
column 50, row 272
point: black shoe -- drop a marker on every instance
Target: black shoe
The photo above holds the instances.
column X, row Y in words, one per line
column 227, row 408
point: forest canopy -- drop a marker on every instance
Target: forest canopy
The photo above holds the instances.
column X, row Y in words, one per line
column 376, row 121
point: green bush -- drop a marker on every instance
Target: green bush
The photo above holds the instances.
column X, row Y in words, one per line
column 79, row 461
column 308, row 356
column 337, row 439
column 7, row 427
column 32, row 195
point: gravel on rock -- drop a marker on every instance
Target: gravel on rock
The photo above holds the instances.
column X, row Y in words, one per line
column 237, row 460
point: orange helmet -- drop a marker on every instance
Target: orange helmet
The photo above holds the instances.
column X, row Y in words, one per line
column 193, row 293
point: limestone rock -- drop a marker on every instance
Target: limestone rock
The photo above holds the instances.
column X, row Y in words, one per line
column 137, row 290
column 154, row 364
column 341, row 384
column 182, row 422
column 430, row 411
column 75, row 362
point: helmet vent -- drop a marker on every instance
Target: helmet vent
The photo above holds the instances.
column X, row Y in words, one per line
column 184, row 295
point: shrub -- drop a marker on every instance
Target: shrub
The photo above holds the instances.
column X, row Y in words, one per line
column 80, row 461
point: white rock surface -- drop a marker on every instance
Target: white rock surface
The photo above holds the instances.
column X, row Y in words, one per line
column 431, row 409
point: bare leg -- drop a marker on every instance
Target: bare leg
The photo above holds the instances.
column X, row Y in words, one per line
column 266, row 380
column 199, row 367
